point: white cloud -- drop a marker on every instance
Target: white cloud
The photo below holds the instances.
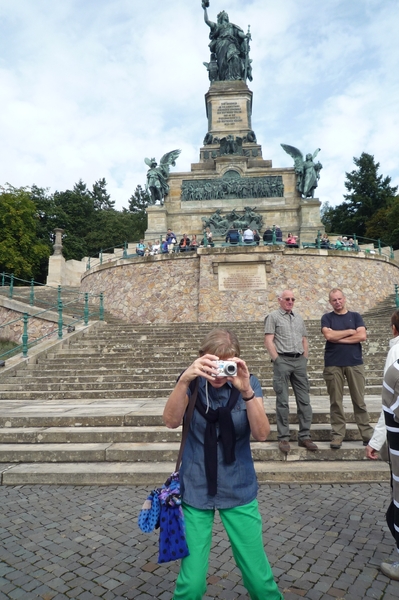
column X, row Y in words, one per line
column 88, row 89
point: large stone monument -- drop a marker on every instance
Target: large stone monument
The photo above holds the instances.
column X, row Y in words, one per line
column 231, row 179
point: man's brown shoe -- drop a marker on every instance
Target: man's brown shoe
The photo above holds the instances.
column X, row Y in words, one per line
column 308, row 444
column 284, row 446
column 335, row 444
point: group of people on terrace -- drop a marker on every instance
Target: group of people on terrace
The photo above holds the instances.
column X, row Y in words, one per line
column 341, row 243
column 272, row 235
column 169, row 244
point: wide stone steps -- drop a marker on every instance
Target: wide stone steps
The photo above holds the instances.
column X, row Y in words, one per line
column 153, row 474
column 144, row 434
column 64, row 382
column 126, row 443
column 91, row 413
column 138, row 392
column 159, row 452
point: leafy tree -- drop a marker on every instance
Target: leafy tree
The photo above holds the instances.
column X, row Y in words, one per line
column 138, row 203
column 384, row 225
column 102, row 200
column 368, row 193
column 75, row 214
column 47, row 221
column 21, row 249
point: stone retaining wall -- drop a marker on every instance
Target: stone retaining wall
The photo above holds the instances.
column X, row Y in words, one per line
column 37, row 327
column 188, row 288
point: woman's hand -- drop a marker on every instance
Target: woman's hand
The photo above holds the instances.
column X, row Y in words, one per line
column 176, row 405
column 204, row 366
column 241, row 380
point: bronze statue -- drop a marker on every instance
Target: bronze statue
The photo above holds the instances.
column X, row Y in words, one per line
column 157, row 176
column 229, row 49
column 307, row 172
column 219, row 224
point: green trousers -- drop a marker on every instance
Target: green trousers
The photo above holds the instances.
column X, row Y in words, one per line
column 243, row 525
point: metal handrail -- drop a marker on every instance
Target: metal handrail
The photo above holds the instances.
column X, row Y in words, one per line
column 57, row 307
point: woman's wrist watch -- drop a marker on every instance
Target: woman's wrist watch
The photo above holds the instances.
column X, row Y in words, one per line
column 250, row 398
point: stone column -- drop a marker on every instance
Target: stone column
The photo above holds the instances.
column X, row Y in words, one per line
column 58, row 242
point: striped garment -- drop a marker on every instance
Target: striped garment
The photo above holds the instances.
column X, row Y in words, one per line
column 390, row 405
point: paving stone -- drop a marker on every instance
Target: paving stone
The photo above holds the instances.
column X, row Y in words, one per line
column 42, row 524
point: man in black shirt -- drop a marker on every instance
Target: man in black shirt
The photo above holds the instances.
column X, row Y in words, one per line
column 344, row 331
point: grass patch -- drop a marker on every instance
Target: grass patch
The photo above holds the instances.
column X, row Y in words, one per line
column 6, row 346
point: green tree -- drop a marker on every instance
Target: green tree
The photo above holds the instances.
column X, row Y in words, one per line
column 138, row 203
column 22, row 252
column 102, row 200
column 368, row 193
column 75, row 213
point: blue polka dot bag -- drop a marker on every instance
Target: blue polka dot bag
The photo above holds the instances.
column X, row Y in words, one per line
column 172, row 535
column 162, row 508
column 149, row 515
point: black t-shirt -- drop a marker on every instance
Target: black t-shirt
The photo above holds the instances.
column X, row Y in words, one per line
column 342, row 355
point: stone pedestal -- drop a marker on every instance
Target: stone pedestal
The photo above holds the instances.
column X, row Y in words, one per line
column 157, row 223
column 229, row 108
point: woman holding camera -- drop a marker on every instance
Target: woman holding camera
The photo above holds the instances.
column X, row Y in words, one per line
column 217, row 470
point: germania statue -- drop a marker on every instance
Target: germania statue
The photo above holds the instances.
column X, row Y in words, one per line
column 229, row 48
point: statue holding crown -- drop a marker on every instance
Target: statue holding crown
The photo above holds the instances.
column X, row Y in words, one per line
column 230, row 46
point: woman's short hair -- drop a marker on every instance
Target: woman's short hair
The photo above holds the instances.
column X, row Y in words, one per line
column 395, row 320
column 222, row 343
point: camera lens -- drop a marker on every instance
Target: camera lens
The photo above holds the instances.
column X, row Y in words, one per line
column 231, row 369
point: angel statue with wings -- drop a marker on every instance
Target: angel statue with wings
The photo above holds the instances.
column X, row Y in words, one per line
column 157, row 176
column 308, row 172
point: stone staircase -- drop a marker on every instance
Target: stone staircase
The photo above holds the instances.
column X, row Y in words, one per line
column 91, row 412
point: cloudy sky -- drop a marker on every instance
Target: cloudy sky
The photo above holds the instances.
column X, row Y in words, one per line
column 88, row 88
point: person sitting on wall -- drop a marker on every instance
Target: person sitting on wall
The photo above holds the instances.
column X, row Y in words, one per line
column 148, row 251
column 268, row 236
column 339, row 243
column 248, row 236
column 194, row 243
column 156, row 247
column 208, row 234
column 256, row 237
column 232, row 236
column 140, row 248
column 164, row 247
column 171, row 240
column 184, row 243
column 325, row 241
column 292, row 241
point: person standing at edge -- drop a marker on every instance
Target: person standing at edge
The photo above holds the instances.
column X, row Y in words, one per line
column 217, row 470
column 287, row 344
column 377, row 443
column 390, row 405
column 344, row 331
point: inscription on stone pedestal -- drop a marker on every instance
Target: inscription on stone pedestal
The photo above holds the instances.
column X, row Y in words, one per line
column 229, row 113
column 241, row 278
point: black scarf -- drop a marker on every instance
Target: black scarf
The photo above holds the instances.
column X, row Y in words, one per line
column 227, row 435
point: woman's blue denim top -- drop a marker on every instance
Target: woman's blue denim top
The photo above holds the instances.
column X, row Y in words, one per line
column 236, row 483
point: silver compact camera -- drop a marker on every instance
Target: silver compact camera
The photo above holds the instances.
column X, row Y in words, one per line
column 226, row 368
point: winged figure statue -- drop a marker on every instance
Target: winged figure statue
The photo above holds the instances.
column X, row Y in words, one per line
column 157, row 175
column 307, row 171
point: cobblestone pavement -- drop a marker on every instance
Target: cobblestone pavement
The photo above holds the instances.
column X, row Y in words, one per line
column 323, row 542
